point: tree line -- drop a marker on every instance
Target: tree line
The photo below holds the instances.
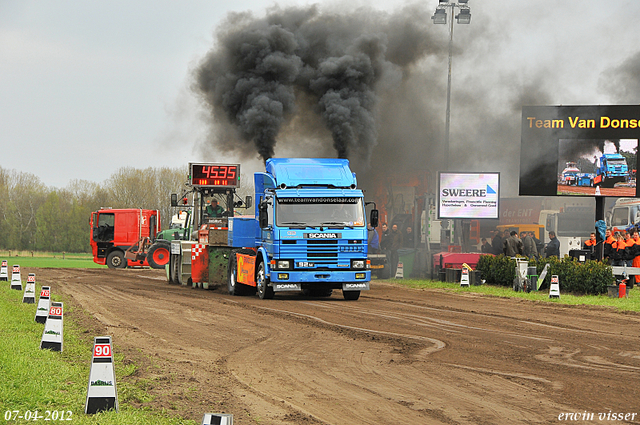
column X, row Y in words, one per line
column 36, row 217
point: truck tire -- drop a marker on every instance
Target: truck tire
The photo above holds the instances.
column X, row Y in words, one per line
column 116, row 260
column 158, row 255
column 174, row 269
column 351, row 295
column 265, row 292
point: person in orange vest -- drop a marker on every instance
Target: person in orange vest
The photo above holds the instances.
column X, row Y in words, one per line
column 608, row 241
column 618, row 251
column 634, row 251
column 630, row 243
column 590, row 245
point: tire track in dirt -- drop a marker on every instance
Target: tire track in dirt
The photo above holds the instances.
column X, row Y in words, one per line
column 395, row 356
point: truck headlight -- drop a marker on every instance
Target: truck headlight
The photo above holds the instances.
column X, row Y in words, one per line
column 283, row 264
column 358, row 264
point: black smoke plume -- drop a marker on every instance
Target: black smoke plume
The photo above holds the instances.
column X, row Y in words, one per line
column 248, row 79
column 263, row 72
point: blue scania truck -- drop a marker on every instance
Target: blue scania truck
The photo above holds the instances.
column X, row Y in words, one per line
column 308, row 233
column 611, row 169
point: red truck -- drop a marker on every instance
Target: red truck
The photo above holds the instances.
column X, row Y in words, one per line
column 127, row 237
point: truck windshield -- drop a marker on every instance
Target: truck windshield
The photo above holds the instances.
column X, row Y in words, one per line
column 319, row 211
column 620, row 216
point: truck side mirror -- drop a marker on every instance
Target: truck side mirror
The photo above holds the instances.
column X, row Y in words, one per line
column 263, row 217
column 174, row 199
column 374, row 218
column 248, row 202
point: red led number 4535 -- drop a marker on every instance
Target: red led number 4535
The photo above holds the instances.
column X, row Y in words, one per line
column 226, row 175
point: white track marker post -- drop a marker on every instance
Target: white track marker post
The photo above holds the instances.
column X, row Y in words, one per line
column 4, row 274
column 217, row 419
column 29, row 296
column 464, row 277
column 400, row 271
column 43, row 304
column 554, row 289
column 101, row 392
column 52, row 334
column 16, row 278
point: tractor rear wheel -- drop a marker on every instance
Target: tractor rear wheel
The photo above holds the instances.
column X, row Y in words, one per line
column 159, row 254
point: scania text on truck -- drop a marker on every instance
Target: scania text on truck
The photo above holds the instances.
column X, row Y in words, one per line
column 308, row 233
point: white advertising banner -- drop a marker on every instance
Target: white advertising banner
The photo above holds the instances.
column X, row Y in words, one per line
column 468, row 195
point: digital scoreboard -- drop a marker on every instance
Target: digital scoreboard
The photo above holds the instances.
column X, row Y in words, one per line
column 214, row 175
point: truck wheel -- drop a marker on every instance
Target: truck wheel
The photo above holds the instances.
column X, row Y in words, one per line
column 116, row 260
column 233, row 286
column 175, row 269
column 158, row 255
column 265, row 292
column 351, row 295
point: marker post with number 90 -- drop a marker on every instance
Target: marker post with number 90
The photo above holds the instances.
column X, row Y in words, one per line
column 101, row 392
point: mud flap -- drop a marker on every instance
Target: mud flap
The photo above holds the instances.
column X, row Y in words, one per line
column 355, row 286
column 281, row 287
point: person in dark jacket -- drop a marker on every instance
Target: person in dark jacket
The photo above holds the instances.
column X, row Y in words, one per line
column 513, row 245
column 408, row 238
column 590, row 245
column 486, row 248
column 553, row 247
column 384, row 237
column 530, row 248
column 496, row 243
column 395, row 244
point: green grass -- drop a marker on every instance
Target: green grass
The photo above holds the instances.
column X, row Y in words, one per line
column 34, row 379
column 48, row 259
column 632, row 303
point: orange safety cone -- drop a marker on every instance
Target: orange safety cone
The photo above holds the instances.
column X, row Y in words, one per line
column 622, row 289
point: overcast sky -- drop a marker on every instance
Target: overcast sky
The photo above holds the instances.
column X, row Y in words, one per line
column 87, row 87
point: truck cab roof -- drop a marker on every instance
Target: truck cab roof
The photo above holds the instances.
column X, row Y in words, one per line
column 300, row 172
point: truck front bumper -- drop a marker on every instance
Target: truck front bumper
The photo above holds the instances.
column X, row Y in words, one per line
column 290, row 279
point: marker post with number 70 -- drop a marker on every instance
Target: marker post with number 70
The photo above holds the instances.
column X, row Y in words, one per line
column 101, row 392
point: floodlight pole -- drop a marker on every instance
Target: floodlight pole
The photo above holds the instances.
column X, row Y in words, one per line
column 447, row 124
column 451, row 5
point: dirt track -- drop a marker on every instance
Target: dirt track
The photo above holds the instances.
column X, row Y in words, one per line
column 396, row 356
column 591, row 191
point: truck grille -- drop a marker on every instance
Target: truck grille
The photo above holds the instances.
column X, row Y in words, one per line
column 323, row 253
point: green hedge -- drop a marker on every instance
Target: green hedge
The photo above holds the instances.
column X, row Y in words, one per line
column 591, row 277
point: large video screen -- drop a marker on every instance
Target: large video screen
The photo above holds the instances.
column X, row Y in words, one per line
column 468, row 195
column 579, row 150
